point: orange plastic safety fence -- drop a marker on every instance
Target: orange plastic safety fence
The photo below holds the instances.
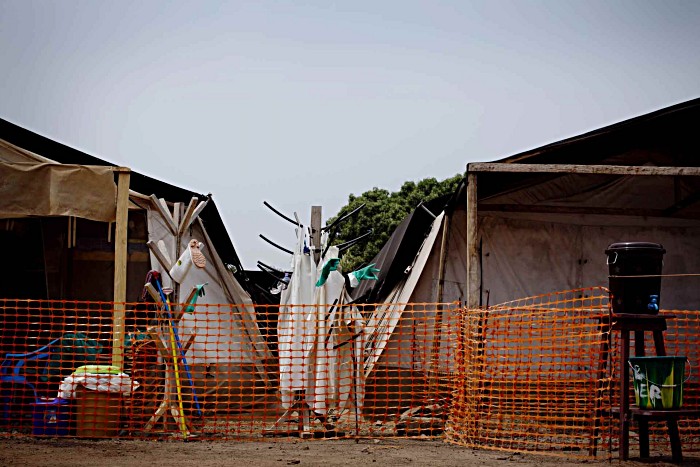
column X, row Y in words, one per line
column 542, row 374
column 531, row 377
column 681, row 339
column 226, row 371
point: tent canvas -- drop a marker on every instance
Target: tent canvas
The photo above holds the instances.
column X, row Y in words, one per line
column 540, row 232
column 408, row 349
column 544, row 218
column 527, row 232
column 239, row 349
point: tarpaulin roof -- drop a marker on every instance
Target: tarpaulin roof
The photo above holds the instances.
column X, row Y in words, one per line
column 666, row 137
column 40, row 145
column 400, row 250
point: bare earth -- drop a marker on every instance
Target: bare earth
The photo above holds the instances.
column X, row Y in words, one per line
column 56, row 453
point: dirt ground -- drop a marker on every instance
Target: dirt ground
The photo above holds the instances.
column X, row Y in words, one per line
column 78, row 453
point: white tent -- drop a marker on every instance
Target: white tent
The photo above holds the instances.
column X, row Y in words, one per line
column 538, row 223
column 228, row 346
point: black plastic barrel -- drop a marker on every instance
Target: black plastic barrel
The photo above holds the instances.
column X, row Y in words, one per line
column 626, row 261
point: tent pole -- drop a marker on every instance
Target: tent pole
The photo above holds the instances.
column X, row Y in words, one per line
column 443, row 257
column 316, row 232
column 120, row 264
column 437, row 326
column 473, row 285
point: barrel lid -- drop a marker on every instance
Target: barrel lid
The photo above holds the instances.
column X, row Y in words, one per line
column 635, row 246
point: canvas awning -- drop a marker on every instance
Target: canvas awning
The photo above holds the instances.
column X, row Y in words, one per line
column 51, row 189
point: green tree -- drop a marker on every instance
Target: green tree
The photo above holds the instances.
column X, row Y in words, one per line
column 383, row 211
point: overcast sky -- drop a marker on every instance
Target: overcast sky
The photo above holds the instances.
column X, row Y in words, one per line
column 301, row 103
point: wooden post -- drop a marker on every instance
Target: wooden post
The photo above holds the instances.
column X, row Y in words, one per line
column 316, row 232
column 446, row 221
column 120, row 264
column 473, row 285
column 437, row 327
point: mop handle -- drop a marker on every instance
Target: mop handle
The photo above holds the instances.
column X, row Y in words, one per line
column 179, row 346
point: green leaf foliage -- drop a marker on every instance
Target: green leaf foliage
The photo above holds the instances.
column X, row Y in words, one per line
column 383, row 211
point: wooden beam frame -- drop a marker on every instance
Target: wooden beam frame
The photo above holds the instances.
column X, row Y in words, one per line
column 165, row 214
column 316, row 220
column 584, row 210
column 583, row 169
column 473, row 260
column 473, row 257
column 120, row 265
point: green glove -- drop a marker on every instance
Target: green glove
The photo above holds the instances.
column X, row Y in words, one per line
column 331, row 265
column 367, row 273
column 200, row 293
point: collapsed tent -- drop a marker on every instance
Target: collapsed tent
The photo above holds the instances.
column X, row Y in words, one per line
column 410, row 346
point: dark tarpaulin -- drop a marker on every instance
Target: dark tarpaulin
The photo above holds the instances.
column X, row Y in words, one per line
column 400, row 250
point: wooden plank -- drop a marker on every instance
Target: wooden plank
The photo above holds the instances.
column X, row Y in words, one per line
column 316, row 214
column 162, row 348
column 437, row 327
column 177, row 208
column 188, row 215
column 190, row 341
column 154, row 294
column 475, row 167
column 473, row 285
column 195, row 215
column 165, row 264
column 165, row 214
column 584, row 210
column 120, row 264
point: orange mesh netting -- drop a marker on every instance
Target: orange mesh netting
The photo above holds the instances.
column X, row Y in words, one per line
column 375, row 371
column 538, row 374
column 681, row 339
column 541, row 374
column 531, row 375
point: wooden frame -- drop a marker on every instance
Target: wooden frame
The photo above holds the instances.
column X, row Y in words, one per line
column 120, row 265
column 582, row 169
column 473, row 169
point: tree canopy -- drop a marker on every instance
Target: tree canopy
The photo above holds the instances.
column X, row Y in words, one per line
column 383, row 212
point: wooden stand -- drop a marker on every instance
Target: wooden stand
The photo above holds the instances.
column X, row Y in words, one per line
column 172, row 391
column 626, row 323
column 305, row 418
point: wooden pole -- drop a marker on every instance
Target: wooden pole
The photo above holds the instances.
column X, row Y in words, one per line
column 443, row 257
column 437, row 328
column 473, row 285
column 583, row 169
column 316, row 232
column 120, row 264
